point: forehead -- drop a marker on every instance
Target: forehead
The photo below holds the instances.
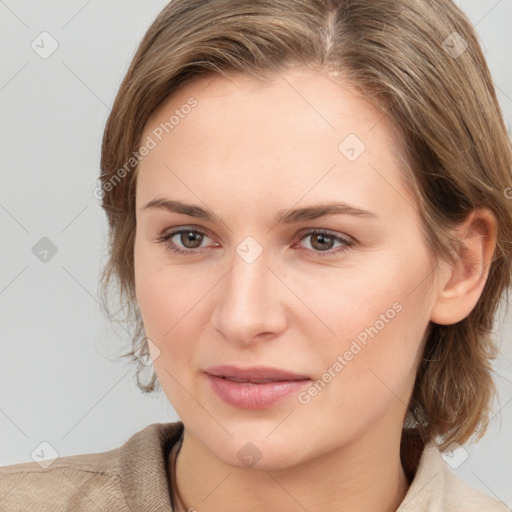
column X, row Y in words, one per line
column 300, row 133
column 298, row 96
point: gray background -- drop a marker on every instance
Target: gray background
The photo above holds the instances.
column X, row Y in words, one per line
column 60, row 380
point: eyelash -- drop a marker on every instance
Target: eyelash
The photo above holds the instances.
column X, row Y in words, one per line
column 166, row 240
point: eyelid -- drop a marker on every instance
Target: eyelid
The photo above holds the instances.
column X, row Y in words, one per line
column 170, row 232
column 335, row 234
column 302, row 233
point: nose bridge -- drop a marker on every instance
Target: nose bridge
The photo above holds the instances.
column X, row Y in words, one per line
column 248, row 278
column 249, row 303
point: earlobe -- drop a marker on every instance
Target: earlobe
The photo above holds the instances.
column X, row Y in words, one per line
column 461, row 283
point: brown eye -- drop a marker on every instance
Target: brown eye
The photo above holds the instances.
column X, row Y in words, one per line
column 183, row 241
column 321, row 243
column 191, row 239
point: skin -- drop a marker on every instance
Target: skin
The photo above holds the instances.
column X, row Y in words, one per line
column 246, row 152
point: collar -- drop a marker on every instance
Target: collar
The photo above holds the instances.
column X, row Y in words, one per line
column 144, row 471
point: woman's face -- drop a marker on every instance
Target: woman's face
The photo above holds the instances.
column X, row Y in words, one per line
column 303, row 254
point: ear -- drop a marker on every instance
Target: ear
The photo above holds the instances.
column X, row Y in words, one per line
column 461, row 283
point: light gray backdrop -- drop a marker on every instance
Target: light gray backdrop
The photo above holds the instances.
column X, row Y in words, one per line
column 60, row 382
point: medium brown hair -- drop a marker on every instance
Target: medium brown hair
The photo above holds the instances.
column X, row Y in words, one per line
column 420, row 63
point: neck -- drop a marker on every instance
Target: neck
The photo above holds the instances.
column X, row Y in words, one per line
column 360, row 476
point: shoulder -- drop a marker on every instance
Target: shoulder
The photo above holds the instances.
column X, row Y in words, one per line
column 459, row 493
column 108, row 480
column 436, row 487
column 78, row 482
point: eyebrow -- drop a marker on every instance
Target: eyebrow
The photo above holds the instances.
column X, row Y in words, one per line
column 282, row 217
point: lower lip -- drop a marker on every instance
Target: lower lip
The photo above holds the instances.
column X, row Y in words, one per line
column 254, row 396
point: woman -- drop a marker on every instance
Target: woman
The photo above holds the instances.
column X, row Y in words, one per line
column 309, row 219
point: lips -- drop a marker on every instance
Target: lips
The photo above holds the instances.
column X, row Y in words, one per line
column 254, row 388
column 257, row 375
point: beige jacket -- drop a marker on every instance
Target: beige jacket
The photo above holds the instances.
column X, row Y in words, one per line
column 134, row 478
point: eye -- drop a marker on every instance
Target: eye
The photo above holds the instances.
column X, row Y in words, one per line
column 187, row 241
column 322, row 241
column 190, row 240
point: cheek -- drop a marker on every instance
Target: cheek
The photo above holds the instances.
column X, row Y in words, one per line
column 164, row 293
column 164, row 303
column 166, row 306
column 373, row 316
column 169, row 300
column 359, row 302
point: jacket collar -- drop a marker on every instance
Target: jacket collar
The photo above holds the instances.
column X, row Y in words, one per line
column 145, row 478
column 144, row 470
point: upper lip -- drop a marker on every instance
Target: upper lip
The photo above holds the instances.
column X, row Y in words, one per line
column 254, row 374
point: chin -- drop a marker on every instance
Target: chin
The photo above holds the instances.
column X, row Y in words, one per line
column 255, row 449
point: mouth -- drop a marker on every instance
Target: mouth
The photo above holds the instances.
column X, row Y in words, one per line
column 254, row 388
column 256, row 375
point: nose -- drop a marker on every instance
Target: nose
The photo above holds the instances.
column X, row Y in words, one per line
column 250, row 306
